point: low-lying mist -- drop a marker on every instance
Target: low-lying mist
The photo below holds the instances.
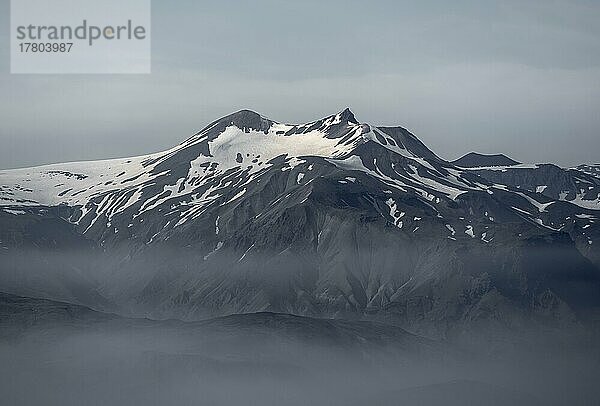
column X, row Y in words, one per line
column 518, row 335
column 267, row 360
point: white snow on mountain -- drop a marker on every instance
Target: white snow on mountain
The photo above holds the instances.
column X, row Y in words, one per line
column 108, row 187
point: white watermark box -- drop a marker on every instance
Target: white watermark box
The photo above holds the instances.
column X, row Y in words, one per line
column 80, row 36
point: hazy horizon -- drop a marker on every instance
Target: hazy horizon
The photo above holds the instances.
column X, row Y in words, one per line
column 512, row 78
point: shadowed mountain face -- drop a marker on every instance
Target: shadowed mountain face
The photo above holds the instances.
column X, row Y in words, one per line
column 333, row 218
column 21, row 316
column 474, row 160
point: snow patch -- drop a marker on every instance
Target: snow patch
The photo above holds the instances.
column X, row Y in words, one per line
column 394, row 213
column 14, row 212
column 469, row 232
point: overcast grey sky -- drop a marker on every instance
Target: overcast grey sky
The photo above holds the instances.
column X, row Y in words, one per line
column 519, row 77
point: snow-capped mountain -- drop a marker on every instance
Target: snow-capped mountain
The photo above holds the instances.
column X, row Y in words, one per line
column 330, row 218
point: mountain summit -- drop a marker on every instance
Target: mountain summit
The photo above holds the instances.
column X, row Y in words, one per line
column 474, row 160
column 347, row 116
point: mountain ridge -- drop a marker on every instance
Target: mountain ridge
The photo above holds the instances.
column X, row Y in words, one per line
column 475, row 159
column 332, row 218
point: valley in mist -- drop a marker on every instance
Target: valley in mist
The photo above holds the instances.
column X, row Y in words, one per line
column 60, row 354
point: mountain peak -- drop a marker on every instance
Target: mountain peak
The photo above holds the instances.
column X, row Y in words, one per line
column 475, row 159
column 244, row 119
column 347, row 115
column 247, row 119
